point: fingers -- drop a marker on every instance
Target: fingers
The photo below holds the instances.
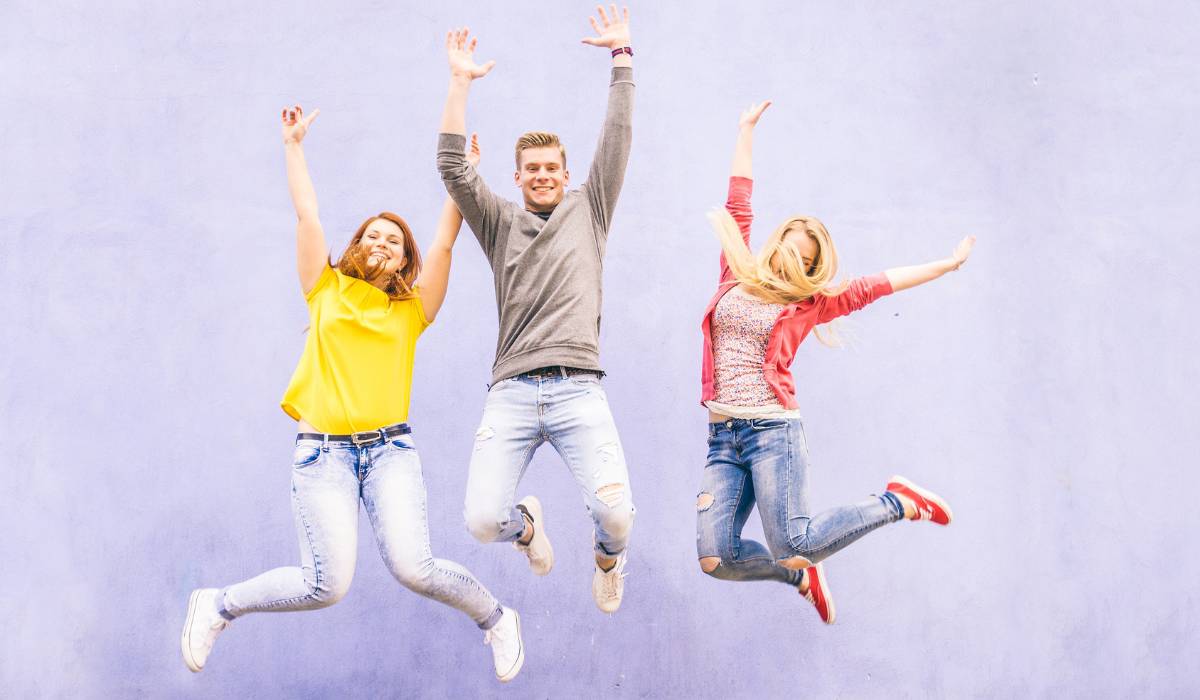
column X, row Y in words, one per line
column 309, row 119
column 603, row 17
column 487, row 68
column 626, row 14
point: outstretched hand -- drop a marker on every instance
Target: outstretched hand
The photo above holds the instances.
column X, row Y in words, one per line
column 473, row 153
column 295, row 124
column 611, row 32
column 460, row 53
column 963, row 251
column 751, row 114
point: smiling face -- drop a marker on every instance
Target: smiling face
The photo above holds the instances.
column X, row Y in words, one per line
column 382, row 244
column 542, row 176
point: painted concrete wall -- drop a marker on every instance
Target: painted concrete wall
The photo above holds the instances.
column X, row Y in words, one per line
column 152, row 319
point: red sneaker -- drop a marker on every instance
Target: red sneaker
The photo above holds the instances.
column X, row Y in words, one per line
column 818, row 593
column 930, row 506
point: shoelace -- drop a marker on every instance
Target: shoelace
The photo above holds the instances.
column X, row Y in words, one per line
column 612, row 577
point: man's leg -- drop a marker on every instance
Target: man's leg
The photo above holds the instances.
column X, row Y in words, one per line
column 508, row 434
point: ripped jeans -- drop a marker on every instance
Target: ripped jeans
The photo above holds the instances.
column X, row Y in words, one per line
column 766, row 460
column 571, row 414
column 328, row 481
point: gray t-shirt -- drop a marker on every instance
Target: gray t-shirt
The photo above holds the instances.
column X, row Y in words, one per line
column 547, row 272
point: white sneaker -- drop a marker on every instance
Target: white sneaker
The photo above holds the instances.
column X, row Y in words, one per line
column 539, row 551
column 201, row 628
column 508, row 651
column 609, row 586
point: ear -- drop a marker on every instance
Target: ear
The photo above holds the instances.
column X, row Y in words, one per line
column 517, row 177
column 566, row 178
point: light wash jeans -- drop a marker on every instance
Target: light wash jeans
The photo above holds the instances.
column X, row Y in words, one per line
column 328, row 480
column 572, row 415
column 766, row 460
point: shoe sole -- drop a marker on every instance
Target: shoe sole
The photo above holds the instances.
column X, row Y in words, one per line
column 927, row 495
column 534, row 506
column 829, row 606
column 187, row 628
column 512, row 673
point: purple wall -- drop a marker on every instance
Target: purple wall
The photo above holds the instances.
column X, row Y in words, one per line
column 1047, row 390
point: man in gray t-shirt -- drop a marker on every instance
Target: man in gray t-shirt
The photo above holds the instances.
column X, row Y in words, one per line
column 546, row 256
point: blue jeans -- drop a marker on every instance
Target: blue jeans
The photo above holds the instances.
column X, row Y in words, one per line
column 572, row 415
column 766, row 460
column 328, row 480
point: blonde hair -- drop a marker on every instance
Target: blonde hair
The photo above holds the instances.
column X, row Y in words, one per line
column 539, row 139
column 778, row 274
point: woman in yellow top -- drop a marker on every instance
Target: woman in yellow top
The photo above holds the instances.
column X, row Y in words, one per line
column 350, row 394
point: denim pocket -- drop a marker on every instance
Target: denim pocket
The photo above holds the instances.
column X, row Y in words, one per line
column 584, row 379
column 402, row 442
column 768, row 423
column 305, row 455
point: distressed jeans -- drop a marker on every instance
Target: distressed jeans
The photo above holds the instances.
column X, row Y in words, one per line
column 328, row 481
column 765, row 460
column 572, row 415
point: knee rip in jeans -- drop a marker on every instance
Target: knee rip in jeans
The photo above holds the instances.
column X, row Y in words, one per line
column 704, row 501
column 611, row 494
column 485, row 433
column 709, row 564
column 796, row 563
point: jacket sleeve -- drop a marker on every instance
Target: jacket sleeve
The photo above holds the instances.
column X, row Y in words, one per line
column 857, row 294
column 738, row 205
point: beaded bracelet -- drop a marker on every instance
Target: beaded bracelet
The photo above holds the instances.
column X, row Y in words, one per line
column 623, row 49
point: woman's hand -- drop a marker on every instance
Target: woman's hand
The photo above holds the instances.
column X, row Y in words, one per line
column 750, row 115
column 962, row 251
column 295, row 124
column 473, row 153
column 612, row 33
column 461, row 55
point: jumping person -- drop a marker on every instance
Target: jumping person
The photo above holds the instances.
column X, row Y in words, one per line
column 350, row 395
column 765, row 305
column 546, row 256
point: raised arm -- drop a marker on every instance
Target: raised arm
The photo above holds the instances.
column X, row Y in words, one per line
column 607, row 172
column 311, row 254
column 740, row 184
column 435, row 273
column 478, row 205
column 913, row 275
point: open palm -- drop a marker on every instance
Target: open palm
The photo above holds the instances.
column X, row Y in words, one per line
column 461, row 53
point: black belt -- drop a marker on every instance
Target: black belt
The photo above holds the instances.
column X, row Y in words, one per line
column 363, row 438
column 557, row 371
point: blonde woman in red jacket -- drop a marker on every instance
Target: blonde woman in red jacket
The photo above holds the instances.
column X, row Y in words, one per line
column 764, row 307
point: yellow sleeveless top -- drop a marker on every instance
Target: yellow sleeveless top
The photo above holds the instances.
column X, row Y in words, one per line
column 356, row 370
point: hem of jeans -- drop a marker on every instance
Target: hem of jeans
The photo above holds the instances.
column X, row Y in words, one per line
column 493, row 618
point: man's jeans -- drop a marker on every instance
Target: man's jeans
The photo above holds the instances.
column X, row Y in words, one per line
column 766, row 460
column 328, row 479
column 572, row 415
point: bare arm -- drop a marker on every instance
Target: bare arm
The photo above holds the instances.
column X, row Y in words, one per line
column 913, row 275
column 435, row 273
column 463, row 71
column 744, row 149
column 311, row 254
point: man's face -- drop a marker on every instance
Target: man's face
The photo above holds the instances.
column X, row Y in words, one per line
column 542, row 178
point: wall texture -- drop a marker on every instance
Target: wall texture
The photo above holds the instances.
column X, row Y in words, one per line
column 152, row 320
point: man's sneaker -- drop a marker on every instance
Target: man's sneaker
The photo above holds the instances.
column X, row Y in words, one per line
column 929, row 505
column 539, row 551
column 508, row 651
column 609, row 586
column 201, row 628
column 818, row 593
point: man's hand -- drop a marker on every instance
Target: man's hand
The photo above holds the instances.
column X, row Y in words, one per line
column 460, row 53
column 613, row 32
column 961, row 252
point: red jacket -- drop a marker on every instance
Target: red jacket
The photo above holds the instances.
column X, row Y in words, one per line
column 794, row 322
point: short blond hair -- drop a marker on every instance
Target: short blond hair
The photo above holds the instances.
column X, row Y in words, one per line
column 539, row 139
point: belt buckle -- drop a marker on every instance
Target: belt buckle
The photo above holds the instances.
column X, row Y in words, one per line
column 362, row 439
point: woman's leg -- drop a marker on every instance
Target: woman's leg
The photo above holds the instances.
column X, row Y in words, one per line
column 325, row 507
column 778, row 454
column 394, row 496
column 725, row 500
